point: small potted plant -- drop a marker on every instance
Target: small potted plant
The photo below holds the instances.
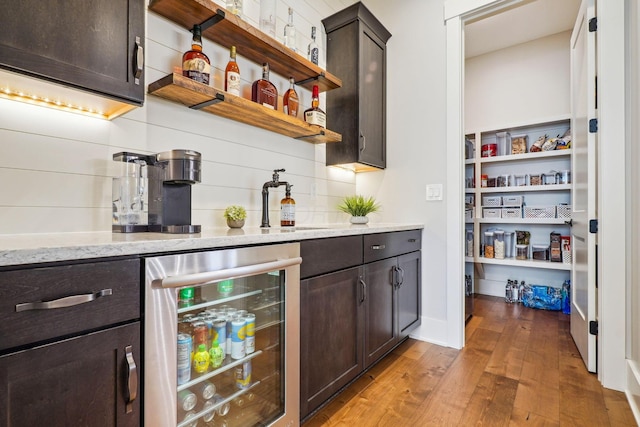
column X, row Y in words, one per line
column 359, row 207
column 235, row 216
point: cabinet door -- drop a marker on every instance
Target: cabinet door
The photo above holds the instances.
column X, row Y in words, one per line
column 409, row 293
column 331, row 324
column 87, row 44
column 380, row 316
column 372, row 99
column 81, row 381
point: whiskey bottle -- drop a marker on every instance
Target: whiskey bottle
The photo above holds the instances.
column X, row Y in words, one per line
column 314, row 115
column 290, row 101
column 290, row 32
column 263, row 91
column 195, row 64
column 312, row 49
column 232, row 74
column 287, row 209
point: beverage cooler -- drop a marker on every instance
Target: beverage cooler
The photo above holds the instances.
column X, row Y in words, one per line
column 222, row 338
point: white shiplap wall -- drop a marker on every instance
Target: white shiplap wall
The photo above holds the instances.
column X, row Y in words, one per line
column 56, row 167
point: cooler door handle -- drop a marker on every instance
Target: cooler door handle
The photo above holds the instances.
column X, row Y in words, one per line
column 69, row 301
column 229, row 273
column 132, row 379
column 364, row 141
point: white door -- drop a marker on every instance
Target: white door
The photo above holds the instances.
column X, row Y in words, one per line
column 583, row 159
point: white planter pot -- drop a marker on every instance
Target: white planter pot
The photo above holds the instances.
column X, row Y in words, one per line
column 359, row 220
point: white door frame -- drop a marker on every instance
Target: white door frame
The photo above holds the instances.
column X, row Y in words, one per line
column 611, row 179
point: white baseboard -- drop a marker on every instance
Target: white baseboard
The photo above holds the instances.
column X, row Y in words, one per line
column 433, row 331
column 633, row 388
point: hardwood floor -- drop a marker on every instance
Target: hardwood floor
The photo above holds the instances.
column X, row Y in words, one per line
column 520, row 367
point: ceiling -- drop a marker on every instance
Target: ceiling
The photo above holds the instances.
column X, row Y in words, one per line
column 521, row 24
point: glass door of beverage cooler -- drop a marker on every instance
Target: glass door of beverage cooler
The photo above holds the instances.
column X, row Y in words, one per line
column 230, row 357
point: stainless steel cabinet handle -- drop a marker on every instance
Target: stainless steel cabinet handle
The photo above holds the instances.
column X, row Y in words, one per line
column 363, row 285
column 401, row 279
column 132, row 379
column 377, row 247
column 138, row 61
column 63, row 302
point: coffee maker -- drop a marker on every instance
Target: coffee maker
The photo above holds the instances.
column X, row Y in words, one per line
column 164, row 182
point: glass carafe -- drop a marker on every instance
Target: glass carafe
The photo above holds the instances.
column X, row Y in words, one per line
column 130, row 194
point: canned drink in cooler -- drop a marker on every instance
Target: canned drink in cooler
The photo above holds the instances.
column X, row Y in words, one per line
column 200, row 334
column 250, row 331
column 185, row 348
column 237, row 338
column 187, row 400
column 224, row 409
column 220, row 332
column 208, row 417
column 243, row 375
column 228, row 318
column 191, row 415
column 206, row 390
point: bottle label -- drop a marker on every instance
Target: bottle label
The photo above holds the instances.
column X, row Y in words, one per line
column 313, row 55
column 197, row 69
column 233, row 83
column 288, row 212
column 315, row 117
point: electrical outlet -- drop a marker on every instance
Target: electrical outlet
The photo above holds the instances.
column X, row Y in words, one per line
column 434, row 192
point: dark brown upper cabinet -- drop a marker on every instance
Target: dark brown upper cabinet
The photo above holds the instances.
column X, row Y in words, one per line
column 91, row 46
column 356, row 51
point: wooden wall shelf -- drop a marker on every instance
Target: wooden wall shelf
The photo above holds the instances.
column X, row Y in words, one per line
column 198, row 96
column 229, row 30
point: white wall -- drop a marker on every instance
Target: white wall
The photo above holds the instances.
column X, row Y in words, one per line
column 518, row 84
column 416, row 151
column 56, row 167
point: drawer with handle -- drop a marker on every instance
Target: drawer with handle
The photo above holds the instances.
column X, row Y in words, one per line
column 39, row 304
column 385, row 245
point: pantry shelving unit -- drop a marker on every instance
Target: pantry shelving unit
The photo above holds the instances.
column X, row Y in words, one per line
column 550, row 195
column 226, row 29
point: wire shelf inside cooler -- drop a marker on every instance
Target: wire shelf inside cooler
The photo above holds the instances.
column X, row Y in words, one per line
column 225, row 367
column 205, row 304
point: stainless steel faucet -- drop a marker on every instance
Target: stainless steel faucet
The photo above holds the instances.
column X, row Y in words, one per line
column 274, row 183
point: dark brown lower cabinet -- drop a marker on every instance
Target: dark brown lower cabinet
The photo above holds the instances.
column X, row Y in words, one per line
column 352, row 317
column 82, row 381
column 380, row 329
column 332, row 319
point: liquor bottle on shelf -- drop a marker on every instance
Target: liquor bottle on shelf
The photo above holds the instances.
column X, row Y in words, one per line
column 235, row 7
column 290, row 32
column 263, row 91
column 290, row 100
column 312, row 49
column 288, row 209
column 232, row 74
column 195, row 64
column 314, row 115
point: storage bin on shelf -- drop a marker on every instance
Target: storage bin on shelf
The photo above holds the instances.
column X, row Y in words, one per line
column 540, row 252
column 539, row 211
column 563, row 211
column 491, row 201
column 511, row 212
column 512, row 201
column 491, row 212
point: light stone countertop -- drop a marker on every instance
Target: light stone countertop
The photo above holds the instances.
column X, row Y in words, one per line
column 18, row 249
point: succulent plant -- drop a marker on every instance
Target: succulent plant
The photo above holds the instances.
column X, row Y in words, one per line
column 359, row 205
column 235, row 213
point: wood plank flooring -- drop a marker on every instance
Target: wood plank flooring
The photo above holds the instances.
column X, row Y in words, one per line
column 520, row 366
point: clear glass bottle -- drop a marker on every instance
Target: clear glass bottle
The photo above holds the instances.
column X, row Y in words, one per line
column 268, row 17
column 263, row 91
column 312, row 49
column 195, row 64
column 288, row 209
column 234, row 6
column 232, row 74
column 290, row 100
column 314, row 115
column 290, row 32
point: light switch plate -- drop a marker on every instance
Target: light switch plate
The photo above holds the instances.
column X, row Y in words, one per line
column 434, row 192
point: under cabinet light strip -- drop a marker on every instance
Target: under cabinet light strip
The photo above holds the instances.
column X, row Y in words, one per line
column 43, row 101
